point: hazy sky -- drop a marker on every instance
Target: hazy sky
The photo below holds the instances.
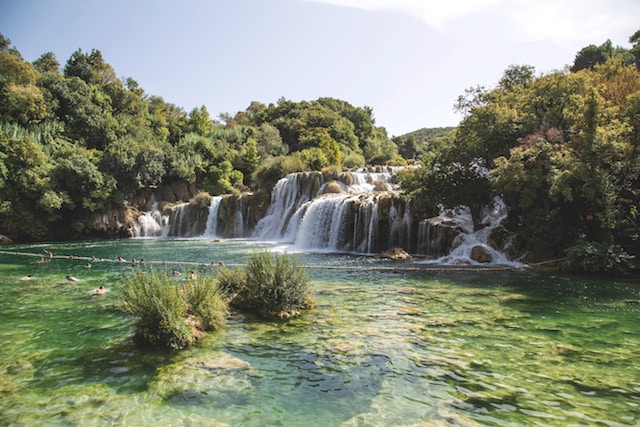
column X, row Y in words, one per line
column 407, row 59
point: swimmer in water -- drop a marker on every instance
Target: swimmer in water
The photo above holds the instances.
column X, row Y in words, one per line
column 25, row 278
column 71, row 278
column 101, row 290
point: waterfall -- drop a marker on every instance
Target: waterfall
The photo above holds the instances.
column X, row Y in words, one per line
column 461, row 219
column 177, row 223
column 322, row 225
column 238, row 227
column 358, row 211
column 300, row 212
column 150, row 224
column 212, row 218
column 430, row 239
column 288, row 196
column 400, row 223
column 188, row 220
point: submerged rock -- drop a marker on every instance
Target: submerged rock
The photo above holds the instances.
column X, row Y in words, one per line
column 219, row 379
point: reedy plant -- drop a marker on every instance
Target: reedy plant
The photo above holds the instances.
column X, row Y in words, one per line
column 272, row 286
column 170, row 313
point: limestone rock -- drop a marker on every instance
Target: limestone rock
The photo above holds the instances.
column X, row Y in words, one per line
column 332, row 188
column 396, row 253
column 113, row 222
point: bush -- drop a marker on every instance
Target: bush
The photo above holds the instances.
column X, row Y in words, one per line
column 202, row 199
column 231, row 282
column 169, row 313
column 353, row 160
column 270, row 286
column 594, row 257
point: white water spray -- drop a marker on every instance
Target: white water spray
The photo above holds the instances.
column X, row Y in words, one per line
column 212, row 219
column 152, row 223
column 461, row 219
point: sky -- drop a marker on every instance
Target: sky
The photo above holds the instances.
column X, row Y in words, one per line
column 408, row 60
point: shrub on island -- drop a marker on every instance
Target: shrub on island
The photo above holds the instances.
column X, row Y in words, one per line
column 170, row 313
column 271, row 286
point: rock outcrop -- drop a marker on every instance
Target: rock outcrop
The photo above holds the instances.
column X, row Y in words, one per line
column 480, row 254
column 396, row 253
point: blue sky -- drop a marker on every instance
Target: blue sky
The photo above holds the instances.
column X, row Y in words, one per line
column 407, row 59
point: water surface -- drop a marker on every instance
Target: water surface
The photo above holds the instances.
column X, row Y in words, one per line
column 382, row 347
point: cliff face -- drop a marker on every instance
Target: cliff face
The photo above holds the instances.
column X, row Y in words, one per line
column 114, row 223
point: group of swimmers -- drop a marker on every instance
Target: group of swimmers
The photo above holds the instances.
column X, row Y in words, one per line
column 102, row 290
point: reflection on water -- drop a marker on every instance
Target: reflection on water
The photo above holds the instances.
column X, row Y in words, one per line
column 382, row 347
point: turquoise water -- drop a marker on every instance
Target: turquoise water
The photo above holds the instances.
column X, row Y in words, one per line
column 381, row 348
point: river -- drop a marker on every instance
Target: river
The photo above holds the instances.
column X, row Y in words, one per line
column 390, row 343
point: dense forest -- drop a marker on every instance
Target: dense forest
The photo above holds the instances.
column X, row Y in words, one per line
column 561, row 148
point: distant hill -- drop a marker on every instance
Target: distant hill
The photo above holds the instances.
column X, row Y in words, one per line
column 414, row 143
column 428, row 134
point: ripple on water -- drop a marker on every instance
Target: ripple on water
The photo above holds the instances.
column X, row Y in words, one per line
column 392, row 350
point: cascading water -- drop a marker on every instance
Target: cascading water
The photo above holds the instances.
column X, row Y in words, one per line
column 239, row 220
column 469, row 238
column 212, row 219
column 341, row 214
column 358, row 211
column 288, row 196
column 152, row 223
column 323, row 222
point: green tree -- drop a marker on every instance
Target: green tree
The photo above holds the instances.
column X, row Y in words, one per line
column 90, row 68
column 199, row 121
column 77, row 175
column 47, row 63
column 517, row 75
column 593, row 55
column 21, row 100
column 24, row 169
column 269, row 141
column 249, row 158
column 635, row 50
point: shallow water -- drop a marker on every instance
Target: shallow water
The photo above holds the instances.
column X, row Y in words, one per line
column 381, row 348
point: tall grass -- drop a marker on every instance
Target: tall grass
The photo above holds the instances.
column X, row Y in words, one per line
column 170, row 313
column 272, row 286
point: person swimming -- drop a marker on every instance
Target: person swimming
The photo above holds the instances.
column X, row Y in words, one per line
column 71, row 278
column 25, row 278
column 101, row 290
